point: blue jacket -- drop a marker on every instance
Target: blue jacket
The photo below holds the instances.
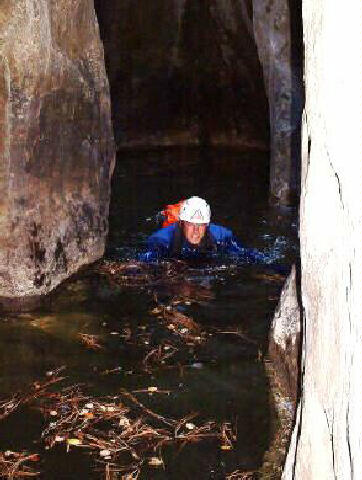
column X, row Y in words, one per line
column 161, row 244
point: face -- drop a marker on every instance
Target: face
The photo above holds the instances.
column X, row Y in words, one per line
column 194, row 232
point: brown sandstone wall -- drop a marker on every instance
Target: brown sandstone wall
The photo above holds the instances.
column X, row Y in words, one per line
column 56, row 143
column 327, row 438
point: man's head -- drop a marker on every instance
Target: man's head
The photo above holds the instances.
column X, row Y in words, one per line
column 194, row 217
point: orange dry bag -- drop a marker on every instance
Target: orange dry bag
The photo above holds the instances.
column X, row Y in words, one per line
column 171, row 213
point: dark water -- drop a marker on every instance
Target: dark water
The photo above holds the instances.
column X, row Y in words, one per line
column 225, row 380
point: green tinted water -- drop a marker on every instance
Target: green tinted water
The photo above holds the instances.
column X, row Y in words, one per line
column 224, row 380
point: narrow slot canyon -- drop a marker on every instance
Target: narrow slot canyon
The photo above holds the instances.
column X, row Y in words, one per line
column 231, row 357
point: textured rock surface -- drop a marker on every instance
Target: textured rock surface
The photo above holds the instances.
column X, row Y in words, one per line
column 285, row 336
column 184, row 72
column 56, row 144
column 278, row 37
column 327, row 439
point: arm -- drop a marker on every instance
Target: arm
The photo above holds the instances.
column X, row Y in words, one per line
column 247, row 255
column 253, row 255
column 158, row 245
column 153, row 253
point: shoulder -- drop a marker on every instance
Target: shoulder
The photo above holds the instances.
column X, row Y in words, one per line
column 163, row 235
column 220, row 233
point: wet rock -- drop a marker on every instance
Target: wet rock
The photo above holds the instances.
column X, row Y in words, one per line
column 327, row 437
column 285, row 337
column 56, row 145
column 278, row 35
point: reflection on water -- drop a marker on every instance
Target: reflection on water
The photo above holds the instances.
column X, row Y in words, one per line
column 225, row 378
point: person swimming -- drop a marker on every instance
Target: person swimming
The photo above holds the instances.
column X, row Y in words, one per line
column 188, row 233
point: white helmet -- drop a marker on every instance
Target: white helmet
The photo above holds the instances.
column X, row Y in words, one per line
column 195, row 210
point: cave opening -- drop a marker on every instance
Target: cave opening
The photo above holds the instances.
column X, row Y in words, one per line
column 184, row 73
column 212, row 74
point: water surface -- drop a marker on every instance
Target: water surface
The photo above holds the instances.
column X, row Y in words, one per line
column 224, row 379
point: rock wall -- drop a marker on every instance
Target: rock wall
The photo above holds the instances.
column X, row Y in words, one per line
column 284, row 339
column 184, row 72
column 56, row 144
column 327, row 438
column 277, row 30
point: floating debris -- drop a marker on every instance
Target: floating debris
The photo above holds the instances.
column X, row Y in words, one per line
column 197, row 365
column 119, row 425
column 90, row 341
column 36, row 390
column 71, row 441
column 155, row 462
column 108, row 427
column 158, row 356
column 270, row 277
column 181, row 324
column 242, row 475
column 15, row 464
column 173, row 272
column 112, row 370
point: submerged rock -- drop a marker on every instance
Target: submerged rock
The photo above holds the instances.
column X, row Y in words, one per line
column 285, row 337
column 56, row 145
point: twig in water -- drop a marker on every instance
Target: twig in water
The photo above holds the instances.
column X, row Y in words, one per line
column 13, row 465
column 147, row 410
column 37, row 389
column 240, row 334
column 241, row 475
column 158, row 356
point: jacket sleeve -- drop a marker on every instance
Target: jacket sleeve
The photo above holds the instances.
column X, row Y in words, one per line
column 230, row 245
column 253, row 255
column 247, row 255
column 150, row 255
column 158, row 246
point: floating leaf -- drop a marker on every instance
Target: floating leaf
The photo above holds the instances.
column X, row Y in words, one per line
column 124, row 422
column 105, row 453
column 73, row 441
column 226, row 447
column 155, row 462
column 34, row 458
